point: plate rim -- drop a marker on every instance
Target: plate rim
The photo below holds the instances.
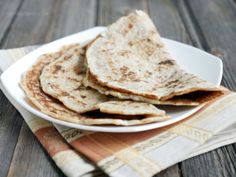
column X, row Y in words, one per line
column 115, row 129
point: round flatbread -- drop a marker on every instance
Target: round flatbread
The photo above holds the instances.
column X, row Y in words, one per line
column 31, row 85
column 62, row 80
column 129, row 57
column 90, row 81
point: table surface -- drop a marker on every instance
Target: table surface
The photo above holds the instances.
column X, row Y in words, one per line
column 206, row 24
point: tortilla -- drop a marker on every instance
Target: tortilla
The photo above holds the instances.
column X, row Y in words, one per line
column 129, row 108
column 90, row 81
column 31, row 85
column 129, row 57
column 62, row 79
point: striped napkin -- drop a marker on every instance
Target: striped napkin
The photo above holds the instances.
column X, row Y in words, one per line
column 83, row 153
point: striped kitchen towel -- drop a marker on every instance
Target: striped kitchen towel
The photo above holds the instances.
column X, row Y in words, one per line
column 83, row 153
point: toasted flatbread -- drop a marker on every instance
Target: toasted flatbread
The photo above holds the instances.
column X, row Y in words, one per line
column 130, row 58
column 62, row 79
column 31, row 85
column 90, row 81
column 129, row 108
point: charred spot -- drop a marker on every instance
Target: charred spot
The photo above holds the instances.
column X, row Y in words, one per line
column 64, row 93
column 149, row 40
column 130, row 43
column 167, row 62
column 73, row 79
column 56, row 69
column 128, row 75
column 82, row 54
column 78, row 88
column 132, row 76
column 124, row 69
column 104, row 50
column 130, row 26
column 173, row 84
column 67, row 57
column 53, row 86
column 83, row 96
column 77, row 70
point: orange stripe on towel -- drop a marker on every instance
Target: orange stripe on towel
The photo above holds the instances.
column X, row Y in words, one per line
column 51, row 140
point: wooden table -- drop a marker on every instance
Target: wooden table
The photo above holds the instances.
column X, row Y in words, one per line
column 206, row 24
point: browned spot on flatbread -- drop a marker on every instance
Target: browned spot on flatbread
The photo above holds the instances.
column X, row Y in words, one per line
column 130, row 26
column 123, row 53
column 73, row 79
column 67, row 57
column 148, row 51
column 172, row 83
column 147, row 74
column 78, row 88
column 132, row 76
column 77, row 70
column 127, row 75
column 58, row 68
column 124, row 69
column 83, row 96
column 167, row 62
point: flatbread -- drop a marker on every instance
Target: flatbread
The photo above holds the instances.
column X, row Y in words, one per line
column 62, row 79
column 190, row 99
column 131, row 58
column 31, row 85
column 129, row 108
column 90, row 81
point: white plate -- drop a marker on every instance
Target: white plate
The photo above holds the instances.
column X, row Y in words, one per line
column 193, row 60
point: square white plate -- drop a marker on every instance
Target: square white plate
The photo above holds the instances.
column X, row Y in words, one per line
column 193, row 60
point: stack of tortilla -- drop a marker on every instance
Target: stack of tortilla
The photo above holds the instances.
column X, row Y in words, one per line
column 119, row 78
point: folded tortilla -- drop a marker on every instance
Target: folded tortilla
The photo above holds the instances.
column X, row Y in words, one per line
column 130, row 60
